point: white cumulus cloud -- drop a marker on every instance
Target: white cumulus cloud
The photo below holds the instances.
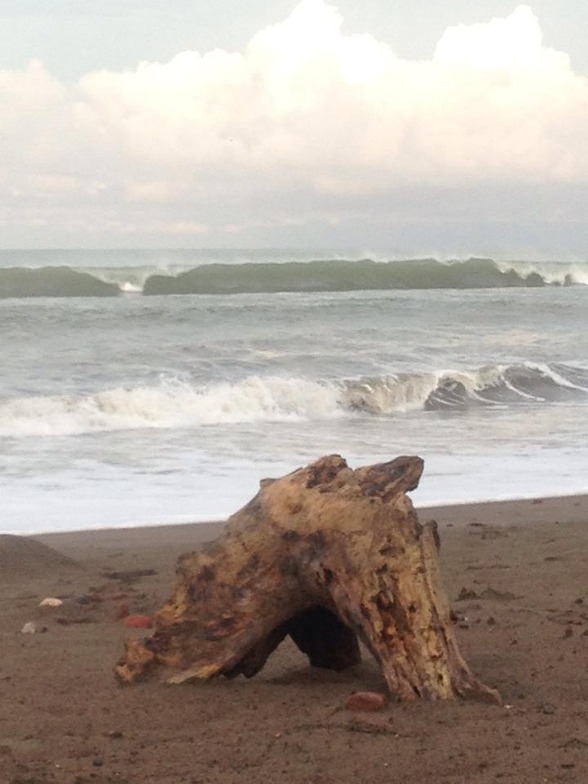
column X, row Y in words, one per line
column 220, row 138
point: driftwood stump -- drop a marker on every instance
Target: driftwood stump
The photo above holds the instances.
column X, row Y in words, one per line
column 326, row 555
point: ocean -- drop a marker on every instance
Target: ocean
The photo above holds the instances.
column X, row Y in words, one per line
column 147, row 387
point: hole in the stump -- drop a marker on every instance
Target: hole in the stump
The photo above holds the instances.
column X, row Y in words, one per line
column 324, row 638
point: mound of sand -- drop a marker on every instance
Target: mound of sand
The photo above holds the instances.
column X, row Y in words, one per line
column 23, row 557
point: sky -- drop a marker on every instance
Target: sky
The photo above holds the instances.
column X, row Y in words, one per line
column 410, row 128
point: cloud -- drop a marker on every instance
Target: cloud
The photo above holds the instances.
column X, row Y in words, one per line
column 29, row 100
column 304, row 110
column 511, row 43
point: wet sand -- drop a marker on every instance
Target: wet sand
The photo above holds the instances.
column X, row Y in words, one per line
column 517, row 578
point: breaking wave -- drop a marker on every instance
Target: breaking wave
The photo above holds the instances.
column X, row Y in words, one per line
column 337, row 275
column 176, row 404
column 289, row 276
column 53, row 282
column 492, row 385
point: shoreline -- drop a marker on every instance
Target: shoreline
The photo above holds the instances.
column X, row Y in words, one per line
column 538, row 509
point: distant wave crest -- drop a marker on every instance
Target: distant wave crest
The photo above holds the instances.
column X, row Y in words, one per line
column 337, row 275
column 53, row 282
column 176, row 404
column 290, row 276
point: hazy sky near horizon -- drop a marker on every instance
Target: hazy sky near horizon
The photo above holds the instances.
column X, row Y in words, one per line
column 408, row 127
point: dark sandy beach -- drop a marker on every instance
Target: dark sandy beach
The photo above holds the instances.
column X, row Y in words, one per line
column 524, row 631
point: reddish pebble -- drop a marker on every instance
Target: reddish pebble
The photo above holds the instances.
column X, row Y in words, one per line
column 138, row 622
column 371, row 701
column 122, row 611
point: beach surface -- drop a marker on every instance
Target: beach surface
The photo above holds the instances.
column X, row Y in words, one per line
column 516, row 576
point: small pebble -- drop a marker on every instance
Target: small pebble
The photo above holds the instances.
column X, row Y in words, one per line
column 368, row 701
column 138, row 622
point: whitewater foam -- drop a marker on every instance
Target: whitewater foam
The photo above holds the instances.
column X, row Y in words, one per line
column 554, row 273
column 174, row 403
column 171, row 404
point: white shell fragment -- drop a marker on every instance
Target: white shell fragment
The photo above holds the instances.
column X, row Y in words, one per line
column 51, row 601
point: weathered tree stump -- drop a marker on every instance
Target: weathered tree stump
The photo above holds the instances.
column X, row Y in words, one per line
column 326, row 555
